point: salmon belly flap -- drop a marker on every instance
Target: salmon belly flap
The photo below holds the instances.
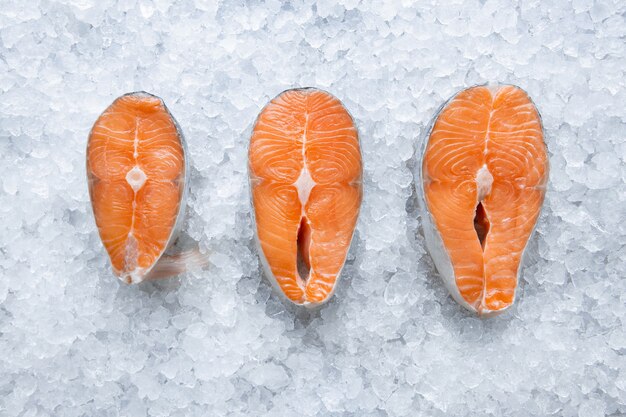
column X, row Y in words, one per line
column 305, row 174
column 484, row 174
column 136, row 172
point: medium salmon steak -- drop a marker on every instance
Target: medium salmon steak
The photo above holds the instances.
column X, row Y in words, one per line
column 305, row 174
column 483, row 181
column 137, row 176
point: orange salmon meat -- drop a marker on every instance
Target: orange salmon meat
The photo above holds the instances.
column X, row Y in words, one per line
column 137, row 176
column 305, row 174
column 483, row 180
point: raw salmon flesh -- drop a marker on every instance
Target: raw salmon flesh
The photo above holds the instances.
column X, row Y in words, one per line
column 137, row 176
column 483, row 181
column 305, row 175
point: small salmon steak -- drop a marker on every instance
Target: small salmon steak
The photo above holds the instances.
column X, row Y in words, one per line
column 484, row 174
column 305, row 174
column 137, row 175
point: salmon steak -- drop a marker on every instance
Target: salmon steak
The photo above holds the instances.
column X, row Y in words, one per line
column 137, row 176
column 483, row 180
column 305, row 176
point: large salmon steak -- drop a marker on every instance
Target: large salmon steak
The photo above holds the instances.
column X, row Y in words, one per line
column 483, row 181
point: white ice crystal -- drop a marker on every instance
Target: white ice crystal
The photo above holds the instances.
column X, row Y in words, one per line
column 75, row 341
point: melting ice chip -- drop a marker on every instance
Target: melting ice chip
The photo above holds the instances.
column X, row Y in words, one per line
column 136, row 178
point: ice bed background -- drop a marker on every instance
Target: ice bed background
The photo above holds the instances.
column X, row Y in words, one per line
column 74, row 341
